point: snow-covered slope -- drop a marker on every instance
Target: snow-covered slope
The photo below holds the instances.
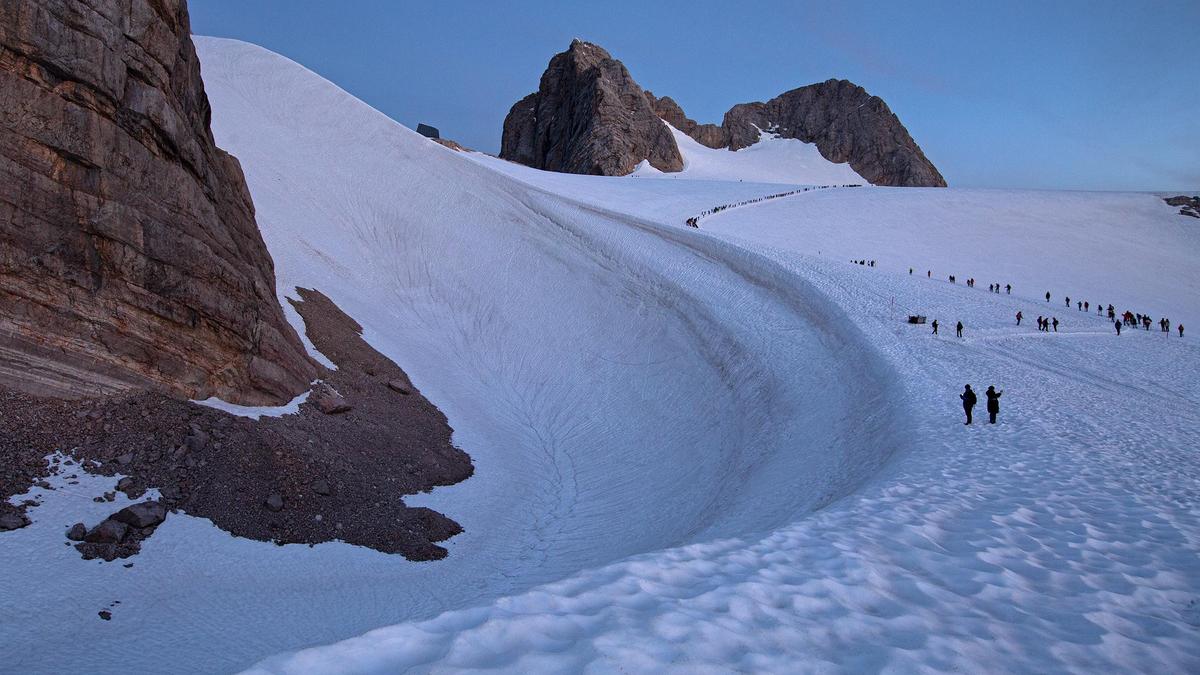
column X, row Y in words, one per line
column 696, row 451
column 771, row 160
column 611, row 378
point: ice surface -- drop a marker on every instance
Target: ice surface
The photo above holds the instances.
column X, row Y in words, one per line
column 696, row 451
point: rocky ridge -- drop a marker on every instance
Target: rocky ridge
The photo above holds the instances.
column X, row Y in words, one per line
column 129, row 253
column 567, row 126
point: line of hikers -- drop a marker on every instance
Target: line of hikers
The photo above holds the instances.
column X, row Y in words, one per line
column 694, row 221
column 993, row 402
column 868, row 263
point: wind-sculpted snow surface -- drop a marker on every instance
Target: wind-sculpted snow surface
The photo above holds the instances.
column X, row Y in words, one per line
column 1063, row 539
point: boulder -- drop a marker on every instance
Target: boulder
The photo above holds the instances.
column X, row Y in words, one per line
column 399, row 386
column 321, row 487
column 77, row 532
column 143, row 514
column 13, row 521
column 329, row 401
column 274, row 503
column 109, row 531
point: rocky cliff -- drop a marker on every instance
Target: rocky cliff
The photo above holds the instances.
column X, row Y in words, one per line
column 129, row 253
column 846, row 124
column 588, row 116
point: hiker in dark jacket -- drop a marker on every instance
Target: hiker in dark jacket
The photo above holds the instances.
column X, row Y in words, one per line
column 1180, row 327
column 959, row 329
column 1008, row 289
column 935, row 325
column 993, row 403
column 1118, row 325
column 1047, row 296
column 1056, row 324
column 1018, row 318
column 968, row 399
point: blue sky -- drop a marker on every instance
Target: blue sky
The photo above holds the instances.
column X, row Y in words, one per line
column 1081, row 95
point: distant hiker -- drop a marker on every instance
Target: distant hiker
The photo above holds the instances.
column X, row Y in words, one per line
column 1118, row 325
column 1166, row 325
column 1146, row 322
column 1018, row 318
column 1111, row 312
column 1068, row 301
column 993, row 403
column 958, row 328
column 935, row 326
column 928, row 273
column 989, row 288
column 1056, row 324
column 997, row 288
column 968, row 399
column 1008, row 288
column 910, row 271
column 1086, row 308
column 1078, row 305
column 1180, row 327
column 1041, row 321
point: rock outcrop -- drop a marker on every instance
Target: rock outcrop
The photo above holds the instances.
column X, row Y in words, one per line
column 706, row 134
column 846, row 124
column 1188, row 206
column 129, row 253
column 588, row 116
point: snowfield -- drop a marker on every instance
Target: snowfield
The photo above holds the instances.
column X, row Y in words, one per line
column 714, row 450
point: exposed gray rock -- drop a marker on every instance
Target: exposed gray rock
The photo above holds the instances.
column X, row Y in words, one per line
column 141, row 515
column 108, row 531
column 321, row 487
column 13, row 521
column 847, row 125
column 274, row 503
column 77, row 532
column 588, row 116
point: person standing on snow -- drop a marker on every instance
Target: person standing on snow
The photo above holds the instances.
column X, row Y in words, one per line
column 1056, row 324
column 1008, row 289
column 1079, row 305
column 1047, row 296
column 993, row 403
column 935, row 326
column 1018, row 318
column 959, row 329
column 1086, row 307
column 968, row 400
column 1118, row 325
column 1180, row 327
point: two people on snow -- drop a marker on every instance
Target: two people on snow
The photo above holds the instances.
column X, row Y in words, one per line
column 957, row 328
column 993, row 402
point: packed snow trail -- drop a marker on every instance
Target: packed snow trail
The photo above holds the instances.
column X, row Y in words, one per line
column 621, row 389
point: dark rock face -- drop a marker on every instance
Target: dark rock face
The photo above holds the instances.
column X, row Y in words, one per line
column 588, row 116
column 847, row 125
column 1188, row 206
column 706, row 134
column 585, row 118
column 129, row 253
